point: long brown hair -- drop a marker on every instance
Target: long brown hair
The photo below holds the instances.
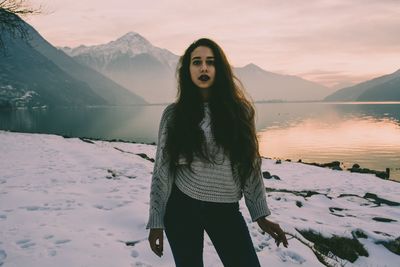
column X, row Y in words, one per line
column 232, row 116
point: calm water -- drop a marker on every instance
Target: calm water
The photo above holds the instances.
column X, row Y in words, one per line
column 364, row 133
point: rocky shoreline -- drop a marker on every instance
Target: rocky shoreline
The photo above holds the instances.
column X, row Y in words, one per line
column 336, row 165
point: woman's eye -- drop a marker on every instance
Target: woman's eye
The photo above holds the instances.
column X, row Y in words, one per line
column 209, row 62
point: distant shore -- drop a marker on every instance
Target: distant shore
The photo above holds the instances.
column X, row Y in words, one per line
column 272, row 101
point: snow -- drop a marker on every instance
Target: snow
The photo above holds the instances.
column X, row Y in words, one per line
column 66, row 202
column 130, row 44
column 27, row 95
column 7, row 87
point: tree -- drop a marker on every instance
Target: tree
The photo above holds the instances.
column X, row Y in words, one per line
column 10, row 22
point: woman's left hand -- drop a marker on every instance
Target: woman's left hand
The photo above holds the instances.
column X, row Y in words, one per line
column 274, row 230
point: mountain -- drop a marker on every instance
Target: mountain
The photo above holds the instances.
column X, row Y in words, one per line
column 264, row 85
column 29, row 79
column 114, row 93
column 34, row 73
column 149, row 71
column 132, row 44
column 133, row 62
column 383, row 88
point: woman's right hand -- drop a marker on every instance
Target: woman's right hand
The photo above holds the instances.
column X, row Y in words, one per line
column 154, row 235
column 274, row 230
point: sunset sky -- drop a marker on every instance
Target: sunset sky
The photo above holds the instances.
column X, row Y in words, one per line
column 334, row 42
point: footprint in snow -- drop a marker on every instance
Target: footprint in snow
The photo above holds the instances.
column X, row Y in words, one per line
column 3, row 256
column 140, row 264
column 25, row 243
column 263, row 244
column 134, row 253
column 52, row 252
column 61, row 241
column 48, row 236
column 101, row 207
column 289, row 255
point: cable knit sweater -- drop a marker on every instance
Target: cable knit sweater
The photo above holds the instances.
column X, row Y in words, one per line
column 211, row 182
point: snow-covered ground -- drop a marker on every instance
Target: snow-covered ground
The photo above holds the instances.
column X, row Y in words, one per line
column 66, row 202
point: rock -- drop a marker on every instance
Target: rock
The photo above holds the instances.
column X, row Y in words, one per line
column 335, row 165
column 303, row 193
column 332, row 209
column 336, row 168
column 86, row 140
column 132, row 243
column 382, row 233
column 266, row 175
column 373, row 198
column 113, row 173
column 381, row 219
column 358, row 234
column 381, row 174
column 143, row 155
column 276, row 177
column 391, row 245
column 379, row 201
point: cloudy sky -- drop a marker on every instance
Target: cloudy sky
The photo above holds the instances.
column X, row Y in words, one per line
column 333, row 42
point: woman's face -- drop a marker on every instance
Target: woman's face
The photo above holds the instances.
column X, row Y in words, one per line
column 202, row 68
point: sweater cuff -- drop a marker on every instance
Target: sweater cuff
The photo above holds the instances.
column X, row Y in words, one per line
column 155, row 222
column 259, row 209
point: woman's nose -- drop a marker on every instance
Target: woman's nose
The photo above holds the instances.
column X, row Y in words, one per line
column 203, row 66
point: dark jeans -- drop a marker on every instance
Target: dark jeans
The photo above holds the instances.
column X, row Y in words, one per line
column 185, row 221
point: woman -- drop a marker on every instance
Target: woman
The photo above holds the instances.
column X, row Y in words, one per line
column 207, row 158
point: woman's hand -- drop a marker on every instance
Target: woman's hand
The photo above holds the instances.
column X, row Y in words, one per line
column 274, row 230
column 154, row 235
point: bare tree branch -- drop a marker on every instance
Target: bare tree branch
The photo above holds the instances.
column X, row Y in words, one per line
column 20, row 7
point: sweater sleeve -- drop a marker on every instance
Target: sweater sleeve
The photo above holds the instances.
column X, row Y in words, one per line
column 255, row 196
column 161, row 182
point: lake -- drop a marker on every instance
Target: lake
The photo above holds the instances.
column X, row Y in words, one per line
column 367, row 133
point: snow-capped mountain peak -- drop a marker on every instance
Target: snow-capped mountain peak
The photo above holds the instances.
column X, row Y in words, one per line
column 133, row 38
column 130, row 44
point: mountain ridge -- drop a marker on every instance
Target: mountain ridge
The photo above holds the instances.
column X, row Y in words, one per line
column 61, row 77
column 145, row 73
column 371, row 90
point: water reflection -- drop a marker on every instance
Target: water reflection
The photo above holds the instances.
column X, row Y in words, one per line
column 366, row 133
column 136, row 123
